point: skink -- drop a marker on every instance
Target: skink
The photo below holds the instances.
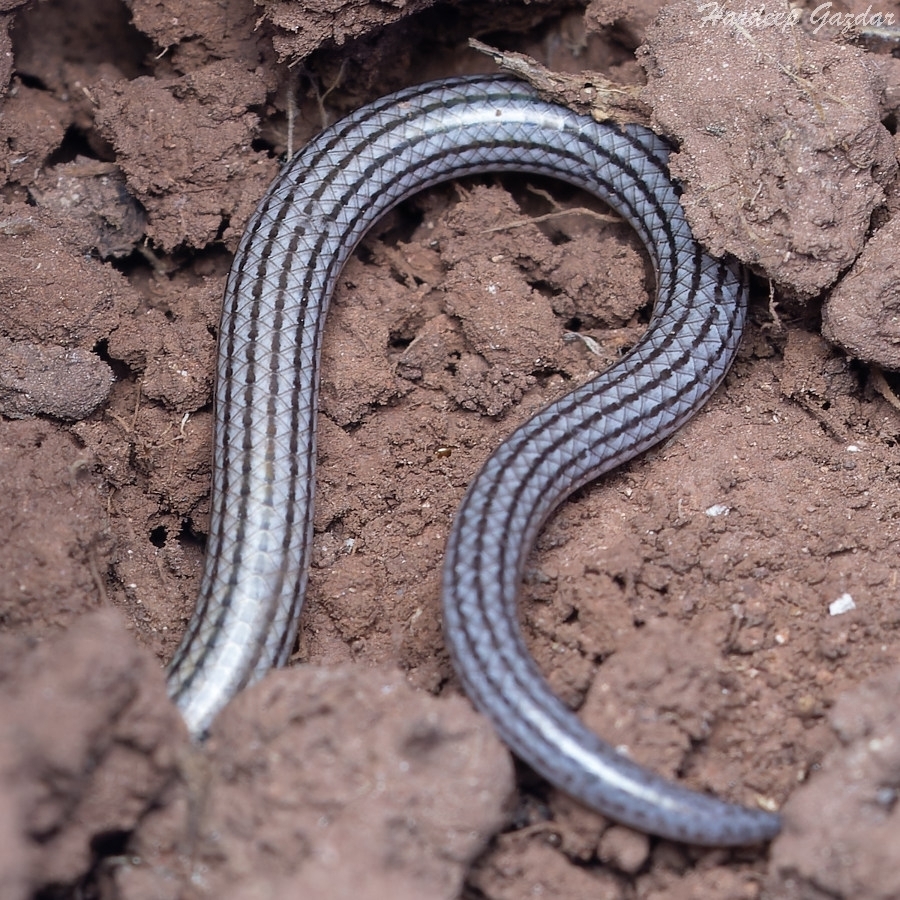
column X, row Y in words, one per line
column 277, row 295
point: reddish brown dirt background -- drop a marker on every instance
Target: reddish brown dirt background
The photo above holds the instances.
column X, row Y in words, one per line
column 683, row 604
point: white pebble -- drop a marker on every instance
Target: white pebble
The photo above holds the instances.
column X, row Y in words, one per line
column 842, row 605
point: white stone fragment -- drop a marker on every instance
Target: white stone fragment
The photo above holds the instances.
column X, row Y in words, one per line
column 842, row 605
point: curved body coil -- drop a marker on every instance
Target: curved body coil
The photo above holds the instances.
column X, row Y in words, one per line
column 276, row 299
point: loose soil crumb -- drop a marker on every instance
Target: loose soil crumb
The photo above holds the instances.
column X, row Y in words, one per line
column 682, row 604
column 89, row 744
column 862, row 314
column 38, row 379
column 858, row 780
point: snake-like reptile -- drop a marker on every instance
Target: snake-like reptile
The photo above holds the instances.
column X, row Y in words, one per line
column 281, row 281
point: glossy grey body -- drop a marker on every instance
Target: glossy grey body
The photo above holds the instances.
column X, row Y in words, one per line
column 276, row 299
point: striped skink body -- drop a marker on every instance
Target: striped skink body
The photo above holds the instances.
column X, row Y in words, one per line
column 276, row 298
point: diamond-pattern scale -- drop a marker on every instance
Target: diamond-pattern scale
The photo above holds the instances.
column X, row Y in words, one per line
column 275, row 303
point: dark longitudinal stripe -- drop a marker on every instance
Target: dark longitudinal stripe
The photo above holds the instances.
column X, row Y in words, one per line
column 568, row 411
column 225, row 469
column 561, row 476
column 270, row 342
column 442, row 160
column 621, row 403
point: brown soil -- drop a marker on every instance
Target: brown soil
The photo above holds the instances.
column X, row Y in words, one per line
column 683, row 604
